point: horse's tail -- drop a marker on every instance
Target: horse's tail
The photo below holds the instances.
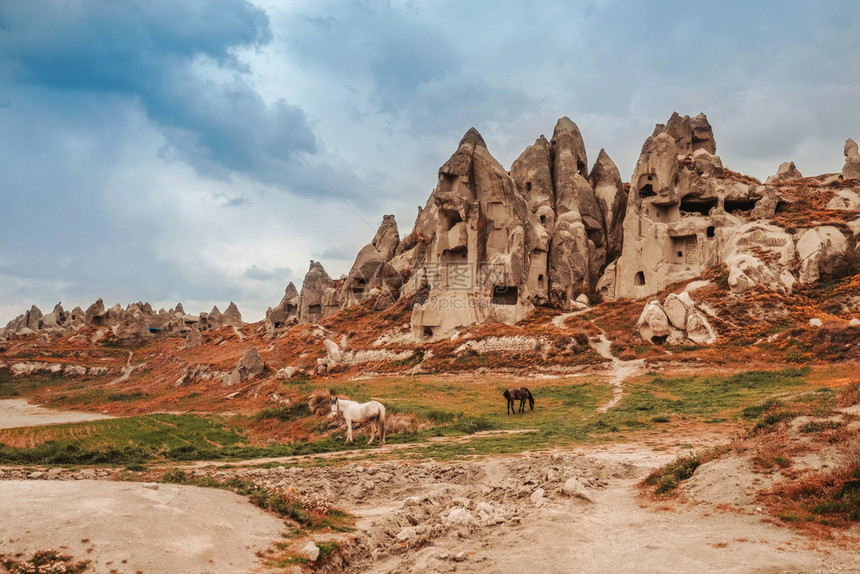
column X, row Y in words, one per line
column 381, row 423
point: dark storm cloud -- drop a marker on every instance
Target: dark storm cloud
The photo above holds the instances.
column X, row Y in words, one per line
column 156, row 54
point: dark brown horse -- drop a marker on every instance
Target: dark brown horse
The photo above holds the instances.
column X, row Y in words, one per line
column 521, row 394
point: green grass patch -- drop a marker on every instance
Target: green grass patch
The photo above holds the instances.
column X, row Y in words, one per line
column 13, row 387
column 667, row 478
column 565, row 414
column 285, row 413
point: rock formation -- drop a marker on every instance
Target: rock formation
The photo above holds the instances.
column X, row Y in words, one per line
column 677, row 321
column 372, row 273
column 682, row 209
column 851, row 169
column 287, row 311
column 232, row 316
column 480, row 236
column 786, row 172
column 319, row 297
column 249, row 366
column 137, row 320
column 491, row 244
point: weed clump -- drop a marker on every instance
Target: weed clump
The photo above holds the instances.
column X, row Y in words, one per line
column 44, row 562
column 667, row 478
column 308, row 510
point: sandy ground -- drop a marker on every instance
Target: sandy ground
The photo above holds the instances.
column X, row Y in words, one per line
column 19, row 413
column 135, row 527
column 501, row 515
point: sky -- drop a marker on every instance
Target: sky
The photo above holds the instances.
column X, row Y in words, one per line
column 205, row 152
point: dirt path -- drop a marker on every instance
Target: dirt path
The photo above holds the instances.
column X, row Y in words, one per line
column 511, row 514
column 127, row 370
column 563, row 511
column 361, row 453
column 620, row 370
column 19, row 413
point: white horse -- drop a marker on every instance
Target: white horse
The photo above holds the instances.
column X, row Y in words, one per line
column 352, row 411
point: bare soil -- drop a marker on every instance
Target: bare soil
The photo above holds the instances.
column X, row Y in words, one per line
column 20, row 413
column 564, row 511
column 134, row 527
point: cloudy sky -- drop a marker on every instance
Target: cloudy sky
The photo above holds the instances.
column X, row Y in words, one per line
column 205, row 152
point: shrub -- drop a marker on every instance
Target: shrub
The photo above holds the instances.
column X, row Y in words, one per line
column 473, row 425
column 851, row 395
column 284, row 413
column 669, row 476
column 44, row 562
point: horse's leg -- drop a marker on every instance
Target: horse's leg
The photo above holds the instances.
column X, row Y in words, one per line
column 349, row 430
column 373, row 424
column 522, row 406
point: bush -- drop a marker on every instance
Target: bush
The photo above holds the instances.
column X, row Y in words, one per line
column 473, row 425
column 44, row 562
column 669, row 476
column 850, row 396
column 284, row 413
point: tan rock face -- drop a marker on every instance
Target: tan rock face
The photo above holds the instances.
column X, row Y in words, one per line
column 287, row 311
column 851, row 169
column 681, row 211
column 319, row 298
column 612, row 200
column 249, row 366
column 579, row 240
column 787, row 172
column 232, row 316
column 759, row 254
column 822, row 253
column 676, row 320
column 479, row 249
column 372, row 272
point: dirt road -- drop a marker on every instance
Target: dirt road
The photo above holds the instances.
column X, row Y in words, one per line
column 563, row 511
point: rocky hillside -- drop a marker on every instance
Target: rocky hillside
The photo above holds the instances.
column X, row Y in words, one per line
column 521, row 269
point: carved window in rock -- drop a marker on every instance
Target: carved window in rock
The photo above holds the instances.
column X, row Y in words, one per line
column 450, row 218
column 359, row 284
column 504, row 295
column 428, row 331
column 315, row 309
column 528, row 186
column 449, row 182
column 732, row 206
column 666, row 213
column 639, row 279
column 543, row 219
column 697, row 205
column 710, row 231
column 647, row 185
column 685, row 250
